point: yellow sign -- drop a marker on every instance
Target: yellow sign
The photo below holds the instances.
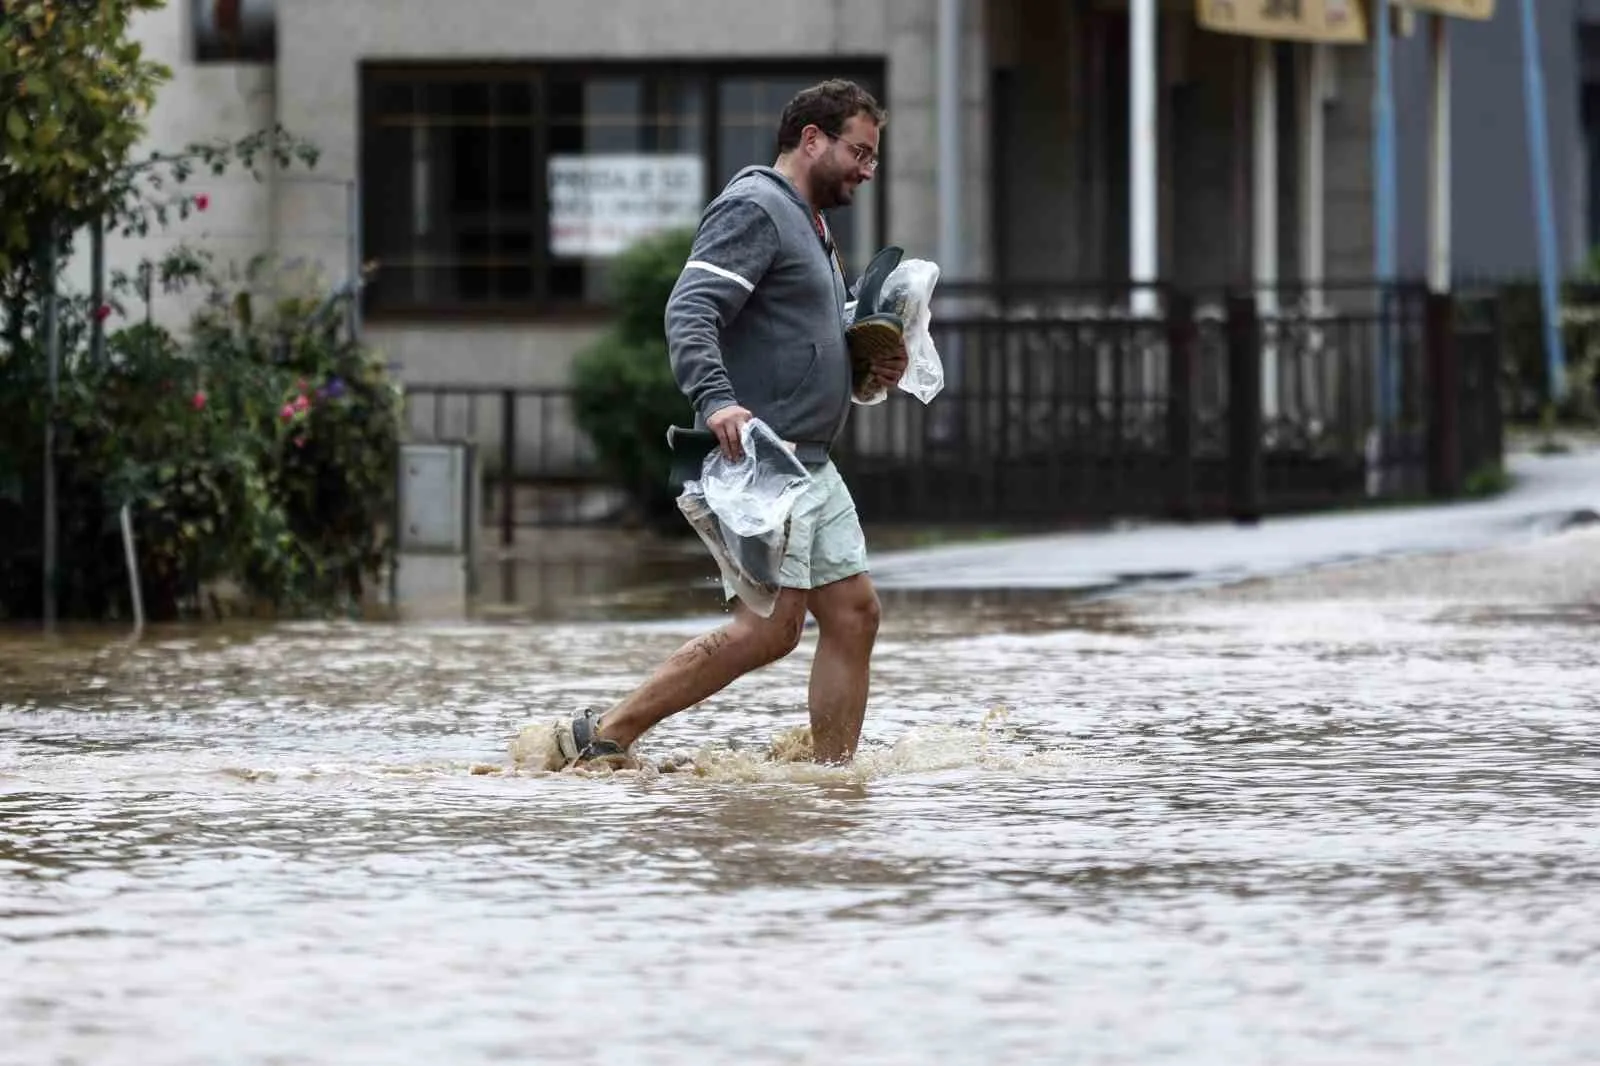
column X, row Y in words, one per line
column 1327, row 21
column 1481, row 10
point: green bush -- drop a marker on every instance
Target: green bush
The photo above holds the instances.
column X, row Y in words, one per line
column 625, row 396
column 1525, row 371
column 191, row 436
column 261, row 450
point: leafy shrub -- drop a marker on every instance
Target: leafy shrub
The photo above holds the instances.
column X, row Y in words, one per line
column 1524, row 368
column 625, row 396
column 262, row 450
column 194, row 437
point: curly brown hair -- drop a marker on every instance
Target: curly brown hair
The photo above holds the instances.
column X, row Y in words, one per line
column 828, row 106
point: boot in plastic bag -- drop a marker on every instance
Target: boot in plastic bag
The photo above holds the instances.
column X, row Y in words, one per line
column 740, row 510
column 872, row 333
column 901, row 293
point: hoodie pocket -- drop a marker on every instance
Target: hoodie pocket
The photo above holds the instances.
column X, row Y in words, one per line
column 797, row 370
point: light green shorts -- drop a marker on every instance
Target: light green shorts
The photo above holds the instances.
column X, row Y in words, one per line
column 826, row 542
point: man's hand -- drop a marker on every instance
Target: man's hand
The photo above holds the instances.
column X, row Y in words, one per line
column 889, row 370
column 728, row 425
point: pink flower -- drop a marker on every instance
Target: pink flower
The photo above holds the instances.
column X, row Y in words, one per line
column 301, row 403
column 287, row 412
column 199, row 401
column 299, row 442
column 102, row 312
column 201, row 202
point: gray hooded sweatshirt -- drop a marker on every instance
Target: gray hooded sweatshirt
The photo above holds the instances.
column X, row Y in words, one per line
column 757, row 315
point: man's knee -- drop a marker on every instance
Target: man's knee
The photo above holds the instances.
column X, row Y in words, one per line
column 849, row 611
column 769, row 639
column 862, row 617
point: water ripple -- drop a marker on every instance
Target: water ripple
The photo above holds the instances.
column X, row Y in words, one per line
column 1270, row 830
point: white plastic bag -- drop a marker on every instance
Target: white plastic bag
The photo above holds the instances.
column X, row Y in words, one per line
column 740, row 510
column 908, row 293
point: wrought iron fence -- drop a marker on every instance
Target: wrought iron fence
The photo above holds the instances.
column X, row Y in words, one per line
column 539, row 467
column 1057, row 410
column 1208, row 409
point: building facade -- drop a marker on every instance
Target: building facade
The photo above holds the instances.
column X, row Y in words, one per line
column 488, row 156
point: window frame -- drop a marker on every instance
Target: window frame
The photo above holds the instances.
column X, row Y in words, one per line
column 708, row 74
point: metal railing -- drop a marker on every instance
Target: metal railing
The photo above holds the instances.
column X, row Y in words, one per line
column 529, row 438
column 1207, row 407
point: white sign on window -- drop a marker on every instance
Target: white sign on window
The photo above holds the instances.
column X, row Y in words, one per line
column 600, row 204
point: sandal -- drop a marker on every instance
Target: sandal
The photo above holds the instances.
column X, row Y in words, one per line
column 580, row 743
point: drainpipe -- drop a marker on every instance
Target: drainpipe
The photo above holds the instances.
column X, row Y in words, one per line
column 1439, row 230
column 949, row 117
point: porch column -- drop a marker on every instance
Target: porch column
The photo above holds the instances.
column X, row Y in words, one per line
column 1313, row 180
column 1142, row 162
column 1312, row 69
column 1385, row 195
column 1265, row 223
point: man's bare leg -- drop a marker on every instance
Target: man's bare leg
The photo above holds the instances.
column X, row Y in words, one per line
column 847, row 624
column 708, row 664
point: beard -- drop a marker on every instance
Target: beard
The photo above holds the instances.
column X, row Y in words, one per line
column 836, row 189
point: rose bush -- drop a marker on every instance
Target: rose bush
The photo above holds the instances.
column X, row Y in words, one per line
column 261, row 449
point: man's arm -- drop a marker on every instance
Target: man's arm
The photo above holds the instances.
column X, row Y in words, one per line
column 733, row 248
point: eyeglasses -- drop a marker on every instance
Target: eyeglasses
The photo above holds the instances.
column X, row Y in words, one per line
column 865, row 156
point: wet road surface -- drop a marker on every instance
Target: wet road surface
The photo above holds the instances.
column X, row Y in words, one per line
column 1343, row 817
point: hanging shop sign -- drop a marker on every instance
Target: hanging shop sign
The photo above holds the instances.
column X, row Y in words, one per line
column 1323, row 21
column 1478, row 10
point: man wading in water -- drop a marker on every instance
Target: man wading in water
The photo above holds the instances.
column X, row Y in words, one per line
column 755, row 328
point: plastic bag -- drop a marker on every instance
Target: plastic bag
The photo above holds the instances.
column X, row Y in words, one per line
column 908, row 293
column 740, row 510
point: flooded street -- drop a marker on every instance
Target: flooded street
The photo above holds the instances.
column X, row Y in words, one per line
column 1341, row 817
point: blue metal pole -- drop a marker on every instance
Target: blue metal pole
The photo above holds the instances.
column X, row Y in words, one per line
column 1539, row 163
column 1383, row 168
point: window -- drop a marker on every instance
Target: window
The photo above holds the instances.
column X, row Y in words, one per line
column 232, row 31
column 508, row 190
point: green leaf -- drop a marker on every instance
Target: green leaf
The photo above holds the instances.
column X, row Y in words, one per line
column 16, row 125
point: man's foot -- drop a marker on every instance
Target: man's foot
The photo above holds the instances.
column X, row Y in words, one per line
column 581, row 745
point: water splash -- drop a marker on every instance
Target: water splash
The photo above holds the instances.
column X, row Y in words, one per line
column 991, row 744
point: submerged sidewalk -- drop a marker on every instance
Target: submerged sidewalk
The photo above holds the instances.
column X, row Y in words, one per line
column 1548, row 493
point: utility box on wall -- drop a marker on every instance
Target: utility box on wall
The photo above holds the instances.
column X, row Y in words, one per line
column 439, row 501
column 436, row 497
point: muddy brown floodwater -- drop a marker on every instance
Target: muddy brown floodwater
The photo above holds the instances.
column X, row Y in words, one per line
column 1346, row 817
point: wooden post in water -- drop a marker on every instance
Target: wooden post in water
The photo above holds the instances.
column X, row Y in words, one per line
column 508, row 468
column 1181, row 337
column 1244, row 409
column 52, row 341
column 1444, row 398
